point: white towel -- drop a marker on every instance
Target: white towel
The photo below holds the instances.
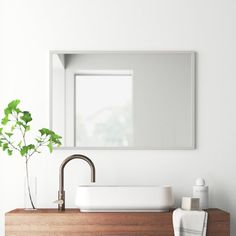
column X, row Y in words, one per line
column 189, row 223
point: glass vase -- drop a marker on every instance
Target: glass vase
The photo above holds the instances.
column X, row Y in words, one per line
column 30, row 193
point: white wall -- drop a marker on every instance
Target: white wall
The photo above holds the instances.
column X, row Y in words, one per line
column 29, row 29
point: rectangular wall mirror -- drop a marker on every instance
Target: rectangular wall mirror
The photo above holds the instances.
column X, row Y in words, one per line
column 123, row 100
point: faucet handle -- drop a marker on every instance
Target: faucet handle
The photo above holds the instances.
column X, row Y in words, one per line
column 59, row 202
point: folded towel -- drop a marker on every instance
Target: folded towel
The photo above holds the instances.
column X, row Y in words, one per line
column 189, row 223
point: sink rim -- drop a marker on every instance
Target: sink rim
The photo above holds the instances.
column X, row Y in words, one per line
column 123, row 186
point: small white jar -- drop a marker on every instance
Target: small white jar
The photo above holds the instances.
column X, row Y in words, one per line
column 201, row 191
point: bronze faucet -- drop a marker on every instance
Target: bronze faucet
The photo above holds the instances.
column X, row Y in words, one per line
column 61, row 192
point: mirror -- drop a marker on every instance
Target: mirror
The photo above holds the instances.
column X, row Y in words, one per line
column 123, row 100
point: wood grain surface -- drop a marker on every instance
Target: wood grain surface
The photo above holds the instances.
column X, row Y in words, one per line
column 50, row 222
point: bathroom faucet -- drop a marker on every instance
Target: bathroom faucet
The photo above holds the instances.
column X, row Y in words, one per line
column 61, row 192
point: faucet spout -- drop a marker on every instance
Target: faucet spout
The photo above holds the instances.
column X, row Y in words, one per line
column 61, row 192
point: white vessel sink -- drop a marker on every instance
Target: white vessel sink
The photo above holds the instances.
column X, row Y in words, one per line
column 101, row 198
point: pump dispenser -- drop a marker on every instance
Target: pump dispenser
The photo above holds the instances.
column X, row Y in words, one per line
column 200, row 190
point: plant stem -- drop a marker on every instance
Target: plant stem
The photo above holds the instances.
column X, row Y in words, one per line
column 9, row 142
column 28, row 186
column 22, row 132
column 36, row 149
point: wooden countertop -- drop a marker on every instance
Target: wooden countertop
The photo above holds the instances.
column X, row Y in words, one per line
column 45, row 222
column 74, row 210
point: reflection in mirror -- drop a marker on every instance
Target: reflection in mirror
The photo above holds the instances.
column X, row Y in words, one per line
column 101, row 121
column 123, row 100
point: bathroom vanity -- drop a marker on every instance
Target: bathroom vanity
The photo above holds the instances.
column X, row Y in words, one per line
column 47, row 222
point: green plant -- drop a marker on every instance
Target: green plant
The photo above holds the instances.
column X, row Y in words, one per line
column 14, row 137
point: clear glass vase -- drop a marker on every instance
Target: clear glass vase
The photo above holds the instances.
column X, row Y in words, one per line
column 30, row 193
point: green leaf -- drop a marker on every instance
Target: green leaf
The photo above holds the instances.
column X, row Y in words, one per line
column 50, row 146
column 56, row 136
column 9, row 151
column 12, row 107
column 5, row 146
column 24, row 150
column 7, row 111
column 5, row 120
column 45, row 131
column 1, row 130
column 56, row 139
column 9, row 134
column 31, row 146
column 13, row 104
column 53, row 137
column 19, row 123
column 26, row 117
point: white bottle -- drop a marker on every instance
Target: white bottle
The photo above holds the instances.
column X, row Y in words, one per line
column 200, row 190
